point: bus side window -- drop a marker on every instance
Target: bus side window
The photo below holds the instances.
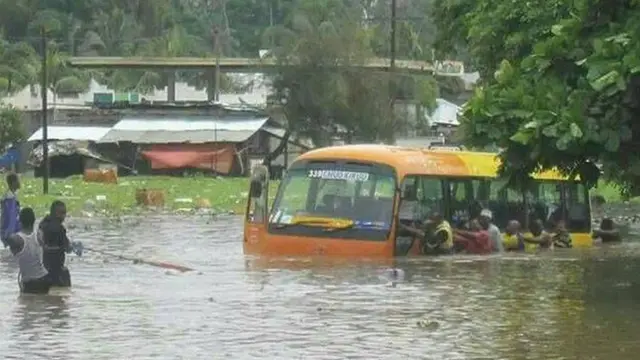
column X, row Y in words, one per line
column 480, row 197
column 515, row 206
column 430, row 196
column 461, row 198
column 497, row 203
column 578, row 213
column 549, row 199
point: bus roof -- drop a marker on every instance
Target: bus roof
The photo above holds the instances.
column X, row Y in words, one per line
column 418, row 161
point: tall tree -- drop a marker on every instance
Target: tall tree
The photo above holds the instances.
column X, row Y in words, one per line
column 323, row 97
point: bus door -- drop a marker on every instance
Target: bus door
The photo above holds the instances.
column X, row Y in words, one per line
column 406, row 215
column 420, row 196
column 257, row 212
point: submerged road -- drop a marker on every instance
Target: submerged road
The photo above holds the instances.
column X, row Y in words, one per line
column 561, row 305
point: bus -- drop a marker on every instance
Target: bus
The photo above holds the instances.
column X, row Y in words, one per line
column 347, row 200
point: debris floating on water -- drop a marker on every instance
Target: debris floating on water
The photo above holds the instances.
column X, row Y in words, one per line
column 428, row 325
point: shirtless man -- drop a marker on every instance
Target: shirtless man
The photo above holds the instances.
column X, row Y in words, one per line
column 24, row 246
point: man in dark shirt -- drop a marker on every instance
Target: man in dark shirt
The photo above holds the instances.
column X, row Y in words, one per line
column 52, row 235
column 607, row 232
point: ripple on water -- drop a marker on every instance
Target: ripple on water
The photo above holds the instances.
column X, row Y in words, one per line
column 572, row 305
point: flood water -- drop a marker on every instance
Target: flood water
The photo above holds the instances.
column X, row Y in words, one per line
column 562, row 305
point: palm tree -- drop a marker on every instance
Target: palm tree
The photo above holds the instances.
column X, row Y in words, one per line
column 62, row 79
column 18, row 66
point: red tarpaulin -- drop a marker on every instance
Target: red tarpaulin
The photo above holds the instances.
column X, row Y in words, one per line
column 218, row 157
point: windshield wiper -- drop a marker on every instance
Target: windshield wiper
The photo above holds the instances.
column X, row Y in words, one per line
column 328, row 223
column 338, row 228
column 284, row 225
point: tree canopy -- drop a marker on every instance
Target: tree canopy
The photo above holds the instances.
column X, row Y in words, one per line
column 560, row 87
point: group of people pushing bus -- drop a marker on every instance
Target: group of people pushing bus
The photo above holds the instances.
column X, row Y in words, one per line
column 481, row 236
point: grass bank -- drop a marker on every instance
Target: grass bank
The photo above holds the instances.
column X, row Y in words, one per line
column 611, row 193
column 223, row 195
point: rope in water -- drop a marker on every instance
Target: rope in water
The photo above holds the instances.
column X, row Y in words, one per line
column 161, row 264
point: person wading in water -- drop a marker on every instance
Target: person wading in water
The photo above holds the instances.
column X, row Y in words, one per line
column 437, row 236
column 52, row 235
column 10, row 209
column 24, row 246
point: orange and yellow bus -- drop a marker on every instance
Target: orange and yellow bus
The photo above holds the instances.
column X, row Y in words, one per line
column 349, row 200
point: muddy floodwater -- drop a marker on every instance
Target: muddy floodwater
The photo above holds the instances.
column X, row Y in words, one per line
column 561, row 305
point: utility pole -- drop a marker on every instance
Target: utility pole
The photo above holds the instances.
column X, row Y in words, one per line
column 216, row 50
column 392, row 56
column 392, row 50
column 43, row 94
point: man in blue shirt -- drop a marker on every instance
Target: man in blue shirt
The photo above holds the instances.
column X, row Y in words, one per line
column 10, row 209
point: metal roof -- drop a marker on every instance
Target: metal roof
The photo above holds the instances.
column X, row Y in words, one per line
column 183, row 130
column 275, row 131
column 78, row 133
column 446, row 113
column 167, row 137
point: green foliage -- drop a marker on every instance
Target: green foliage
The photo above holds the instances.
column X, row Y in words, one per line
column 322, row 98
column 486, row 32
column 326, row 94
column 11, row 129
column 18, row 66
column 566, row 91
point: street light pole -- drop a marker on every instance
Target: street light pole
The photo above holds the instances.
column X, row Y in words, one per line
column 43, row 94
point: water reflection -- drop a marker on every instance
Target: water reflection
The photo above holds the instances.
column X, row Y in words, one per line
column 41, row 325
column 565, row 304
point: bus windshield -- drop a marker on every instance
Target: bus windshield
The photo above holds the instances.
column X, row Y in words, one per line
column 354, row 199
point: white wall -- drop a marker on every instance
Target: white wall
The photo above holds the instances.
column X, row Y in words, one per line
column 28, row 100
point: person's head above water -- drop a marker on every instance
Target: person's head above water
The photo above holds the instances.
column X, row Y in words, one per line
column 13, row 182
column 536, row 227
column 435, row 218
column 474, row 225
column 27, row 218
column 606, row 224
column 58, row 210
column 485, row 218
column 513, row 227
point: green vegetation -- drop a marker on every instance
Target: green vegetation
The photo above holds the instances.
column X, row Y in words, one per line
column 223, row 195
column 11, row 130
column 561, row 84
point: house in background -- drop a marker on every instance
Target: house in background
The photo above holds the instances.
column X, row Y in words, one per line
column 169, row 139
